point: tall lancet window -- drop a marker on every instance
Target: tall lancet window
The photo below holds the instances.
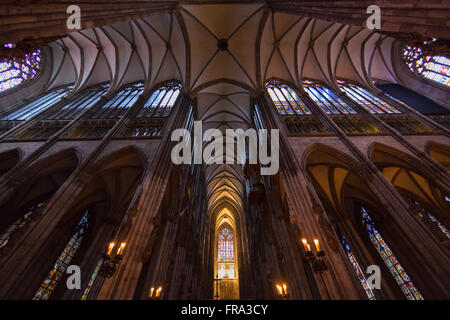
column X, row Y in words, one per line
column 326, row 99
column 122, row 101
column 365, row 99
column 394, row 266
column 29, row 110
column 150, row 119
column 358, row 270
column 225, row 254
column 161, row 101
column 434, row 68
column 15, row 71
column 6, row 236
column 285, row 99
column 58, row 270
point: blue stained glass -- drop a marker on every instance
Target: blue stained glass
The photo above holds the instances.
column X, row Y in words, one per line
column 326, row 99
column 60, row 266
column 366, row 99
column 14, row 72
column 285, row 99
column 160, row 102
column 435, row 68
column 394, row 266
column 358, row 270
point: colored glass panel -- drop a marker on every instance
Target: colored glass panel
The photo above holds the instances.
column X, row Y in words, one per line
column 60, row 266
column 366, row 99
column 286, row 100
column 394, row 266
column 358, row 270
column 435, row 68
column 160, row 102
column 326, row 99
column 14, row 72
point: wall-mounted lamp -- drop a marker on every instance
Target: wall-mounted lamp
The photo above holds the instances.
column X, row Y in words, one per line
column 110, row 260
column 155, row 294
column 281, row 290
column 317, row 263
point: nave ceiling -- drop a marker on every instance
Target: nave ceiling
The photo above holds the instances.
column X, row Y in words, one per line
column 221, row 54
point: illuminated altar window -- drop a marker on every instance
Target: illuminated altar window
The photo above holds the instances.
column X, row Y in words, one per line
column 394, row 266
column 58, row 270
column 225, row 255
column 326, row 99
column 434, row 68
column 365, row 99
column 285, row 99
column 15, row 71
column 358, row 270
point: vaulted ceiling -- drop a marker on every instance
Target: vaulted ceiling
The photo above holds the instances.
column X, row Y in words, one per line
column 222, row 54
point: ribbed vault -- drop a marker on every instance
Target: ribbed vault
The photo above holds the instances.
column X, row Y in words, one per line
column 201, row 45
column 222, row 54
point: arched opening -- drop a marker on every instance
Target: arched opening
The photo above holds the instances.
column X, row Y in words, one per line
column 226, row 284
column 8, row 160
column 96, row 216
column 368, row 235
column 440, row 153
column 425, row 197
column 22, row 208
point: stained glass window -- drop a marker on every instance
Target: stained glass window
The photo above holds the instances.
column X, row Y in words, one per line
column 285, row 99
column 358, row 270
column 394, row 266
column 63, row 261
column 92, row 280
column 18, row 224
column 81, row 102
column 365, row 99
column 25, row 112
column 326, row 99
column 435, row 68
column 225, row 254
column 15, row 71
column 226, row 248
column 426, row 217
column 161, row 101
column 122, row 101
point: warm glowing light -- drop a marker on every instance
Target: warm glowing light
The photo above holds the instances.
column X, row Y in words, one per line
column 285, row 288
column 280, row 290
column 316, row 243
column 121, row 248
column 158, row 291
column 110, row 247
column 309, row 248
column 305, row 244
column 151, row 291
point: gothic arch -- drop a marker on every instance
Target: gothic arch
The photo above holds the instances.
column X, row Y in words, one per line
column 428, row 185
column 440, row 153
column 105, row 197
column 343, row 191
column 425, row 195
column 37, row 183
column 8, row 159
